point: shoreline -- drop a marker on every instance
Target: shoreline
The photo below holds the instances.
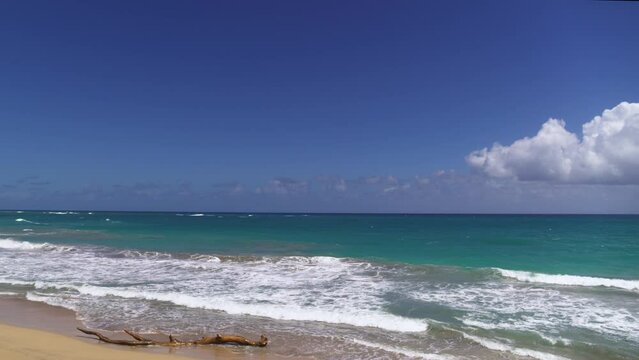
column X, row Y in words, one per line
column 328, row 288
column 21, row 343
column 33, row 330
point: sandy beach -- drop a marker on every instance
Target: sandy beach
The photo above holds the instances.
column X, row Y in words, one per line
column 18, row 343
column 31, row 330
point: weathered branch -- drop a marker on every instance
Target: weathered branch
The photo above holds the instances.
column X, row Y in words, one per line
column 136, row 336
column 117, row 342
column 235, row 339
column 206, row 340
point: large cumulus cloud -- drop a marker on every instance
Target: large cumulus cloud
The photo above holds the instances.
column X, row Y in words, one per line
column 606, row 153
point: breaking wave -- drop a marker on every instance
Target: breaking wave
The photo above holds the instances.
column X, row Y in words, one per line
column 27, row 221
column 10, row 244
column 344, row 295
column 297, row 288
column 569, row 280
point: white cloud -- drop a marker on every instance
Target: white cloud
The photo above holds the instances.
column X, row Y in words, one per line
column 607, row 152
column 229, row 188
column 284, row 186
column 442, row 192
column 422, row 181
column 331, row 183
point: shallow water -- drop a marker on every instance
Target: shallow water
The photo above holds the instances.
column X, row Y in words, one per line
column 363, row 286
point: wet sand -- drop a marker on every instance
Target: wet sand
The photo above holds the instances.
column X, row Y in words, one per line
column 18, row 343
column 32, row 330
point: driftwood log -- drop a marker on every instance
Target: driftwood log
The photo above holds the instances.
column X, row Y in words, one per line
column 205, row 340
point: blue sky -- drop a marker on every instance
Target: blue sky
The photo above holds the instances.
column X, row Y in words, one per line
column 299, row 106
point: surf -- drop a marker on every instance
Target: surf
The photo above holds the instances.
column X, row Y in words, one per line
column 569, row 280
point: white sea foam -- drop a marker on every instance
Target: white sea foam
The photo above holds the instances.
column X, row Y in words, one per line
column 27, row 221
column 570, row 280
column 11, row 244
column 498, row 346
column 61, row 212
column 144, row 254
column 507, row 326
column 545, row 311
column 197, row 215
column 206, row 258
column 405, row 352
column 481, row 324
column 274, row 311
column 556, row 340
column 322, row 289
column 50, row 300
column 15, row 282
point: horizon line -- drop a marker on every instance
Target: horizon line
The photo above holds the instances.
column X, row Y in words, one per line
column 316, row 212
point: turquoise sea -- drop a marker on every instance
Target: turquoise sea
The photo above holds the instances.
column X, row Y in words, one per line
column 350, row 286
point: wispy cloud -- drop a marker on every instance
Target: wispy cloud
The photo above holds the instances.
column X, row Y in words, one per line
column 229, row 188
column 441, row 192
column 24, row 188
column 332, row 183
column 284, row 186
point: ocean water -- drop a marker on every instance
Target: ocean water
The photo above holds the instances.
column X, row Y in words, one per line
column 342, row 286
